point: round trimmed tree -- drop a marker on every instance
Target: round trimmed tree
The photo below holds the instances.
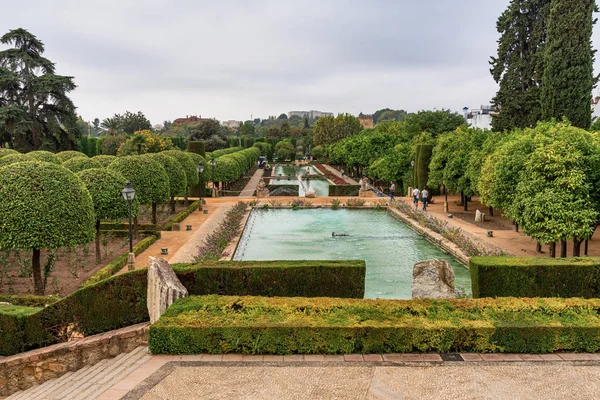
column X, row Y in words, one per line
column 5, row 152
column 104, row 159
column 12, row 158
column 43, row 206
column 68, row 154
column 176, row 173
column 78, row 164
column 105, row 188
column 147, row 176
column 42, row 155
column 197, row 159
column 189, row 166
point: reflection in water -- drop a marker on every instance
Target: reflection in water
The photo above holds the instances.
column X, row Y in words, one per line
column 290, row 175
column 388, row 246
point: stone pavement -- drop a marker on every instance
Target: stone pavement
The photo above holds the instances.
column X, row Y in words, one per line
column 348, row 180
column 252, row 184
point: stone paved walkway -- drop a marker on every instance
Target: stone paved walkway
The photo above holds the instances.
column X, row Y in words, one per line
column 348, row 180
column 252, row 184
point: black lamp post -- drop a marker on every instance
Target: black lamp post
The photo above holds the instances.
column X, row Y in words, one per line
column 213, row 163
column 200, row 168
column 129, row 194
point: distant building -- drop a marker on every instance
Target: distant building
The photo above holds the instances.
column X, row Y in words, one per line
column 595, row 107
column 366, row 121
column 190, row 119
column 312, row 114
column 479, row 117
column 232, row 124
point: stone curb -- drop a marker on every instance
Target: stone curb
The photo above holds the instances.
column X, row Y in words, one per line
column 21, row 371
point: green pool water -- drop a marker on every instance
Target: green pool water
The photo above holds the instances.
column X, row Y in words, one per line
column 321, row 187
column 388, row 246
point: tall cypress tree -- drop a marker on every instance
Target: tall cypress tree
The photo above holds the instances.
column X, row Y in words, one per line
column 518, row 67
column 568, row 78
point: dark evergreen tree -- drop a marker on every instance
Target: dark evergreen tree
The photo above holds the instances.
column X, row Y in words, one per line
column 568, row 78
column 519, row 65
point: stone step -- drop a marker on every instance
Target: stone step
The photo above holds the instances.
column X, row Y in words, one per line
column 88, row 382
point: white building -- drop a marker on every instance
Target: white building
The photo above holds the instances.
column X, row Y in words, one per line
column 479, row 117
column 231, row 124
column 312, row 114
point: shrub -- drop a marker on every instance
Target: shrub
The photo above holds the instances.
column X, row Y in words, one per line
column 29, row 300
column 68, row 154
column 197, row 148
column 181, row 216
column 12, row 158
column 355, row 202
column 188, row 164
column 110, row 145
column 77, row 164
column 306, row 278
column 335, row 204
column 143, row 142
column 104, row 160
column 4, row 152
column 277, row 325
column 217, row 241
column 176, row 174
column 45, row 156
column 535, row 277
column 344, row 190
column 43, row 206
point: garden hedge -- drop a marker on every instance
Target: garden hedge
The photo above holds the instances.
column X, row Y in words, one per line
column 29, row 300
column 535, row 277
column 78, row 164
column 283, row 190
column 68, row 154
column 343, row 190
column 275, row 278
column 275, row 325
column 196, row 147
column 45, row 156
column 181, row 216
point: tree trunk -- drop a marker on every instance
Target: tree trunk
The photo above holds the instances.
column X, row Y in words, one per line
column 563, row 248
column 154, row 213
column 186, row 201
column 576, row 247
column 553, row 250
column 491, row 211
column 38, row 283
column 538, row 247
column 98, row 254
column 172, row 204
column 516, row 226
column 465, row 205
column 585, row 248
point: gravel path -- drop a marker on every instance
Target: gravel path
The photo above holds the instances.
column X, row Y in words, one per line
column 252, row 184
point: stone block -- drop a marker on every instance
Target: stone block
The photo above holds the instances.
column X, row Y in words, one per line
column 164, row 288
column 57, row 367
column 479, row 216
column 433, row 279
column 176, row 227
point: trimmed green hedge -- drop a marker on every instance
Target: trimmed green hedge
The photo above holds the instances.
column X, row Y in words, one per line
column 118, row 263
column 181, row 216
column 196, row 147
column 29, row 300
column 118, row 226
column 275, row 278
column 258, row 325
column 111, row 304
column 535, row 277
column 283, row 190
column 343, row 190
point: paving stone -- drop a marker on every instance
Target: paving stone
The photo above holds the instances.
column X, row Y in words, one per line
column 510, row 357
column 314, row 357
column 574, row 356
column 232, row 357
column 550, row 357
column 471, row 356
column 273, row 358
column 531, row 357
column 293, row 357
column 334, row 357
column 252, row 358
column 212, row 357
column 491, row 357
column 373, row 357
column 353, row 357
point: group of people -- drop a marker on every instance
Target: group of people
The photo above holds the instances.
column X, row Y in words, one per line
column 423, row 194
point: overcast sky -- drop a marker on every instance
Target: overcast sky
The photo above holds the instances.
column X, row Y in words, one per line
column 232, row 59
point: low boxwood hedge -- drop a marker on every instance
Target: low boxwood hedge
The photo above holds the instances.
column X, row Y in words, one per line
column 275, row 278
column 535, row 277
column 118, row 263
column 181, row 216
column 343, row 190
column 110, row 304
column 259, row 325
column 28, row 300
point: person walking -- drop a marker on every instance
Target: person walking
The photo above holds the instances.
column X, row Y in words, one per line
column 424, row 196
column 416, row 193
column 392, row 190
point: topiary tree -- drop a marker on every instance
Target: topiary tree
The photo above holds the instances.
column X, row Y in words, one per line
column 67, row 155
column 147, row 176
column 196, row 147
column 78, row 164
column 176, row 173
column 5, row 152
column 12, row 158
column 189, row 166
column 43, row 206
column 196, row 159
column 105, row 188
column 104, row 159
column 45, row 156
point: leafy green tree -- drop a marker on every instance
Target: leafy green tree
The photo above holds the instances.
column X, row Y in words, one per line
column 147, row 176
column 66, row 155
column 41, row 155
column 111, row 144
column 33, row 191
column 104, row 159
column 105, row 188
column 519, row 64
column 325, row 130
column 176, row 173
column 189, row 165
column 111, row 126
column 96, row 124
column 210, row 132
column 132, row 122
column 35, row 110
column 568, row 78
column 282, row 116
column 329, row 130
column 78, row 164
column 285, row 150
column 434, row 122
column 247, row 129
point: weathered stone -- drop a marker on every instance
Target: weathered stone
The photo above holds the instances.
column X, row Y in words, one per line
column 261, row 189
column 56, row 367
column 433, row 279
column 479, row 216
column 310, row 194
column 163, row 287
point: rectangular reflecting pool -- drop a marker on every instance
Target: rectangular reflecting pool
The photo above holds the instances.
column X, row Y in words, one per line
column 389, row 247
column 291, row 175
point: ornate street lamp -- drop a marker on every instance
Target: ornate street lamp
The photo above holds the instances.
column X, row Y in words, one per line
column 213, row 163
column 200, row 168
column 129, row 194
